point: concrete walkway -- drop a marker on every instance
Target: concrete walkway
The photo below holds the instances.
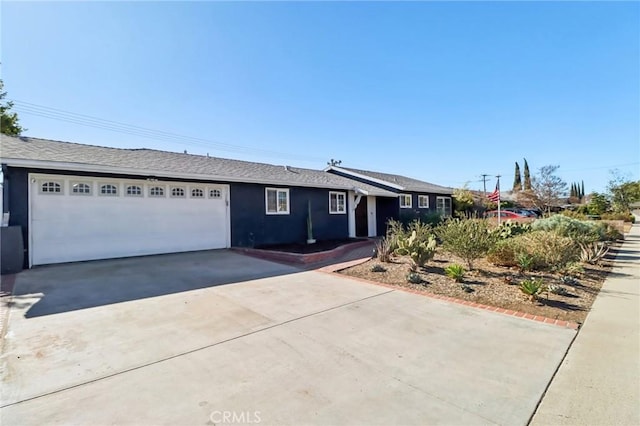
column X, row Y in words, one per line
column 598, row 383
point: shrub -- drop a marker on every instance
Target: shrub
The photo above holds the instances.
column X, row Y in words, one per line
column 378, row 268
column 419, row 251
column 414, row 278
column 384, row 249
column 550, row 250
column 593, row 252
column 532, row 288
column 627, row 216
column 423, row 231
column 577, row 230
column 504, row 253
column 574, row 214
column 455, row 272
column 468, row 239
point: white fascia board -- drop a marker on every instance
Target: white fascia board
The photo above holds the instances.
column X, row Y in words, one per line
column 92, row 168
column 365, row 177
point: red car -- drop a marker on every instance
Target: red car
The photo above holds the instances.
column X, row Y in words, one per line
column 504, row 214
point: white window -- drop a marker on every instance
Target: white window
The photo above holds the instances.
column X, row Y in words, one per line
column 423, row 201
column 134, row 191
column 177, row 192
column 405, row 201
column 108, row 189
column 215, row 193
column 156, row 191
column 337, row 202
column 51, row 188
column 81, row 188
column 197, row 193
column 443, row 205
column 277, row 201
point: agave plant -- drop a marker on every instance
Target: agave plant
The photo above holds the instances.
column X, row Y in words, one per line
column 593, row 252
column 532, row 288
column 455, row 272
column 525, row 261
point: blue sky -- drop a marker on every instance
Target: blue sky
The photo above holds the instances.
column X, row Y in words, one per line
column 440, row 91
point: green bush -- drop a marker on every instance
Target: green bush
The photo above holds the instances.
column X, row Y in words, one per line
column 455, row 272
column 627, row 217
column 578, row 214
column 577, row 230
column 468, row 239
column 504, row 253
column 551, row 251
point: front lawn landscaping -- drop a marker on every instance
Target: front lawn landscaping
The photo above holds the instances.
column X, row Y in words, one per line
column 553, row 267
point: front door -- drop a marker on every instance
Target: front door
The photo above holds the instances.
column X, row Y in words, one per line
column 362, row 227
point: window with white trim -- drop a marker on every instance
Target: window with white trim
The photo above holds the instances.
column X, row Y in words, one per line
column 156, row 191
column 405, row 201
column 134, row 191
column 51, row 187
column 215, row 193
column 337, row 202
column 277, row 201
column 443, row 206
column 197, row 193
column 423, row 201
column 80, row 188
column 177, row 192
column 108, row 189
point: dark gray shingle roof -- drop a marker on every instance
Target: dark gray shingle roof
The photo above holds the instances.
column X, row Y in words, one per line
column 407, row 183
column 74, row 156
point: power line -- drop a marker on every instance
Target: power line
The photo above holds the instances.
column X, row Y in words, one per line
column 90, row 121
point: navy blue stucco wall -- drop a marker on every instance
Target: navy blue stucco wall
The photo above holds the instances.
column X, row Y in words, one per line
column 251, row 226
column 17, row 203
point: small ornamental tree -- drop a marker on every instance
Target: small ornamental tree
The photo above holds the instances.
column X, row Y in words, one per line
column 517, row 180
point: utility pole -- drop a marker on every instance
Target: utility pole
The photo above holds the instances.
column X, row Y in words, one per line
column 484, row 184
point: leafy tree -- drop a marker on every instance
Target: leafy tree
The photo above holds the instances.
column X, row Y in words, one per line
column 463, row 201
column 598, row 204
column 517, row 180
column 9, row 121
column 527, row 176
column 622, row 191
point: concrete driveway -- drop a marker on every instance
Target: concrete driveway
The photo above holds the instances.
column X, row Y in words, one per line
column 219, row 338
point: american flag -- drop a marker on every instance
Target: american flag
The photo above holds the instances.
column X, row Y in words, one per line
column 495, row 195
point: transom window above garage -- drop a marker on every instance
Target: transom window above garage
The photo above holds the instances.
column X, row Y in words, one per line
column 177, row 192
column 51, row 187
column 215, row 193
column 81, row 188
column 134, row 190
column 108, row 189
column 156, row 191
column 197, row 193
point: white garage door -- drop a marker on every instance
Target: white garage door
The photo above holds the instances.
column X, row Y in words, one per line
column 84, row 218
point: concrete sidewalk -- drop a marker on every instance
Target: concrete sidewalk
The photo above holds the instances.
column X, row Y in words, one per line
column 598, row 383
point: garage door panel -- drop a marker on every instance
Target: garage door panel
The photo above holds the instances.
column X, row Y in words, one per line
column 66, row 227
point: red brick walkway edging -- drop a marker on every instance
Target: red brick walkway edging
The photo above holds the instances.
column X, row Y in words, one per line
column 333, row 269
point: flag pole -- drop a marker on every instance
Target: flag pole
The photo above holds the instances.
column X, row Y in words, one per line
column 498, row 186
